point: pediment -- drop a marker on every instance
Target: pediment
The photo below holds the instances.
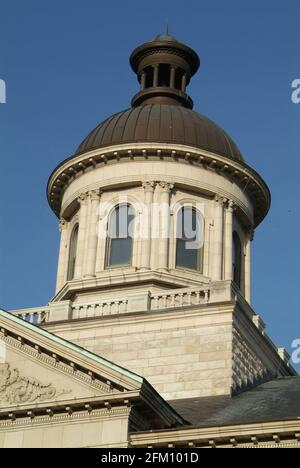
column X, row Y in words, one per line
column 38, row 367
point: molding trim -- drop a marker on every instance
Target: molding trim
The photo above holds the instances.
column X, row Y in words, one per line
column 242, row 174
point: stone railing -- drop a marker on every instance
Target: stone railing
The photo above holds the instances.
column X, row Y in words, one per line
column 100, row 308
column 145, row 302
column 179, row 298
column 36, row 316
column 140, row 302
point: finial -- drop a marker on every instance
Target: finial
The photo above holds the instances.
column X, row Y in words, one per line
column 167, row 28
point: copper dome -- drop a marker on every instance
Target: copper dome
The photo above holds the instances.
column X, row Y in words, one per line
column 162, row 123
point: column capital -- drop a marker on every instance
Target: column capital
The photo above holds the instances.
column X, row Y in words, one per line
column 82, row 199
column 218, row 199
column 231, row 207
column 166, row 186
column 148, row 186
column 95, row 194
column 62, row 224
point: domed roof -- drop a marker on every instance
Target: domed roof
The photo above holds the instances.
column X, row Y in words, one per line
column 162, row 123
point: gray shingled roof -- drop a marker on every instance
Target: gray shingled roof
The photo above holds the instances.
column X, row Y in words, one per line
column 276, row 400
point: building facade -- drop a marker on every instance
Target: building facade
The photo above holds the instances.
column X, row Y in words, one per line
column 157, row 212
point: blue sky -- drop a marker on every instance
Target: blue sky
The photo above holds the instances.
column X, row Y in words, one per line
column 66, row 68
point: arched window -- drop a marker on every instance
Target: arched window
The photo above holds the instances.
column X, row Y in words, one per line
column 190, row 239
column 72, row 253
column 119, row 240
column 237, row 259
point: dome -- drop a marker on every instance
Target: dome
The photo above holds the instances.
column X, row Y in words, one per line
column 162, row 123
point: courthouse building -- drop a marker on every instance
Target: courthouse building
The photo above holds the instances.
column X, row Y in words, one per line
column 150, row 339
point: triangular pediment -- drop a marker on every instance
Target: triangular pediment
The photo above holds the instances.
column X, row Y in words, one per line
column 37, row 367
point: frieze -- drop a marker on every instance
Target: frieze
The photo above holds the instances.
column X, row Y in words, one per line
column 61, row 418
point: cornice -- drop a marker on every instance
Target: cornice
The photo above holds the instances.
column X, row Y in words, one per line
column 214, row 436
column 69, row 410
column 242, row 174
column 111, row 278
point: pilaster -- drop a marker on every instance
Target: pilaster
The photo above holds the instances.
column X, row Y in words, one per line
column 230, row 206
column 145, row 230
column 249, row 239
column 164, row 225
column 217, row 268
column 63, row 257
column 91, row 252
column 83, row 214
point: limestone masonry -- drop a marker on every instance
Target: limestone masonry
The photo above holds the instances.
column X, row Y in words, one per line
column 150, row 339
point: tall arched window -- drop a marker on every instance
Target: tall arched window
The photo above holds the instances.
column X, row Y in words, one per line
column 237, row 259
column 72, row 253
column 119, row 240
column 190, row 239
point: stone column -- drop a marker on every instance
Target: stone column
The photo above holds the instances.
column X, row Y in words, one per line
column 63, row 257
column 172, row 77
column 228, row 240
column 164, row 226
column 146, row 230
column 217, row 269
column 155, row 76
column 249, row 239
column 83, row 214
column 90, row 262
column 155, row 228
column 183, row 83
column 143, row 80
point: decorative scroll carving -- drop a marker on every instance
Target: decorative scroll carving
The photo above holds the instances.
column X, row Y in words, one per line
column 15, row 389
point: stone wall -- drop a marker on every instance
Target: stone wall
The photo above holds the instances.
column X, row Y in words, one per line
column 102, row 429
column 197, row 351
column 182, row 354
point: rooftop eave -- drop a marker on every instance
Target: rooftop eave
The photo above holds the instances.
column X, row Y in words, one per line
column 242, row 174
